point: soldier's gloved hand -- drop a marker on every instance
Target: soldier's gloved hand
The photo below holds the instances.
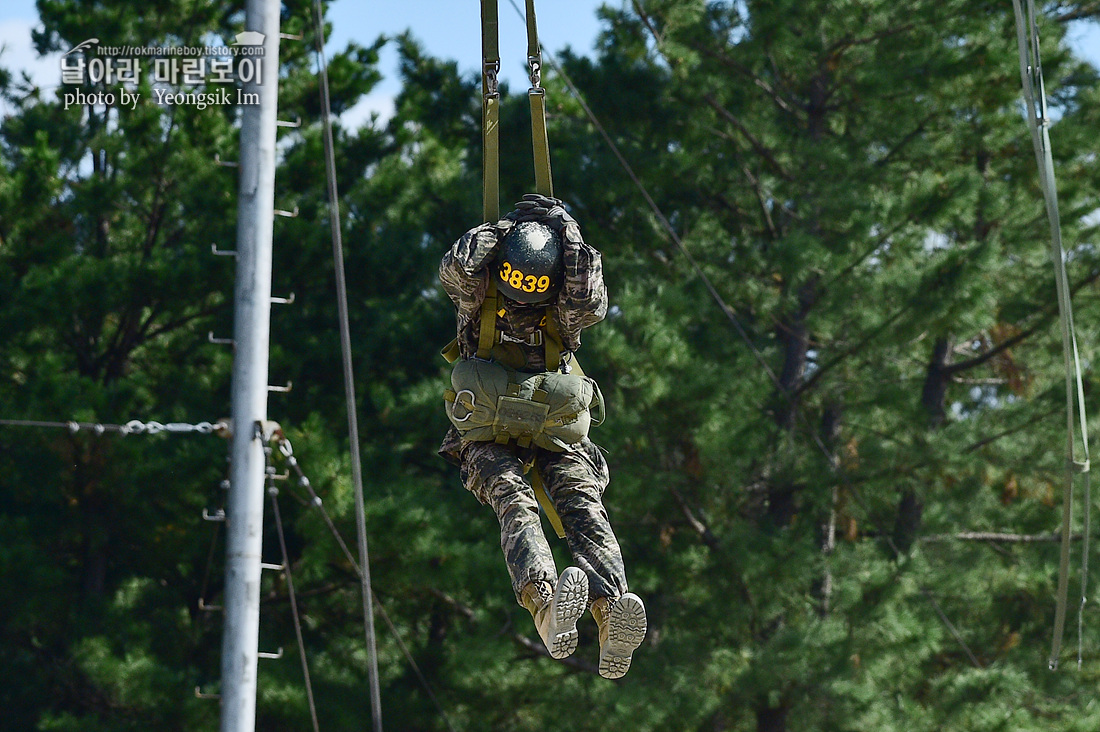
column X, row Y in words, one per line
column 544, row 209
column 535, row 206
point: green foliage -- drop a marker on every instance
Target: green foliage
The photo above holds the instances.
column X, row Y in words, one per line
column 789, row 475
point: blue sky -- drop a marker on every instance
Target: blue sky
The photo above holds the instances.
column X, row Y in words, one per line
column 447, row 28
column 450, row 29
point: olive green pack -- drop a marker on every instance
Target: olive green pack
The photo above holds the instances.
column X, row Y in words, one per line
column 489, row 402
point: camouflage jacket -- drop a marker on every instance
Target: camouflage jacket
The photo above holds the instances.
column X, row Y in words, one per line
column 582, row 301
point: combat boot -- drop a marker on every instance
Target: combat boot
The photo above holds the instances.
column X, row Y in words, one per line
column 622, row 625
column 556, row 609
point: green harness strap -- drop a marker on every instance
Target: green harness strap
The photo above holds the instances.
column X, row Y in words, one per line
column 546, row 503
column 490, row 111
column 490, row 159
column 540, row 143
column 487, row 331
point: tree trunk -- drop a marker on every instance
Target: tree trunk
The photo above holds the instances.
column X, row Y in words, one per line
column 934, row 403
column 792, row 333
column 934, row 395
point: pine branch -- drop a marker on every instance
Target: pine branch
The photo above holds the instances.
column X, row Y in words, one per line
column 757, row 145
column 760, row 83
column 914, row 134
column 951, row 628
column 1089, row 10
column 761, row 201
column 952, row 369
column 840, row 47
column 538, row 648
column 851, row 351
column 1049, row 312
column 1011, row 430
column 648, row 23
column 700, row 528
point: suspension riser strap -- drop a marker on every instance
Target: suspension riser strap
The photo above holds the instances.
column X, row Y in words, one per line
column 540, row 143
column 490, row 48
column 491, row 158
column 490, row 111
column 546, row 504
column 533, row 48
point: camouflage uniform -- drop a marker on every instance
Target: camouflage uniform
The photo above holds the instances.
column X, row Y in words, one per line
column 574, row 479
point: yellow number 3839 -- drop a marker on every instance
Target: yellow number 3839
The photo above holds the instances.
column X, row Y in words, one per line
column 517, row 280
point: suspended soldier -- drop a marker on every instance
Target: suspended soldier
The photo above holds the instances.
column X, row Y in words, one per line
column 524, row 287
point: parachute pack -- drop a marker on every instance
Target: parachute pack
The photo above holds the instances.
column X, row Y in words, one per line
column 549, row 410
column 488, row 401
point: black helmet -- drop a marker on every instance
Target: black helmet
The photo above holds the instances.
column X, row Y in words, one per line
column 529, row 266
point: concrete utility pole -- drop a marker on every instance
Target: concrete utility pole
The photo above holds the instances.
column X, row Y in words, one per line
column 251, row 331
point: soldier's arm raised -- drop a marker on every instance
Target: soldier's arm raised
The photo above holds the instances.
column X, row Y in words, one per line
column 463, row 270
column 582, row 301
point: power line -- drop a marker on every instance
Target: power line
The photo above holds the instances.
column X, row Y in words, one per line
column 273, row 492
column 349, row 377
column 288, row 452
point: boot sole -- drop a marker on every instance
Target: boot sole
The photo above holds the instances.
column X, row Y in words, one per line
column 626, row 627
column 569, row 603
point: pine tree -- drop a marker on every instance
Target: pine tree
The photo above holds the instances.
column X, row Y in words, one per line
column 109, row 291
column 791, row 467
column 857, row 184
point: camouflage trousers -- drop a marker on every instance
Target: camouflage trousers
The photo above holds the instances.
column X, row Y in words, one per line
column 575, row 481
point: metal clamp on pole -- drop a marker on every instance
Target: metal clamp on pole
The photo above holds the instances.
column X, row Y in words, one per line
column 219, row 341
column 200, row 694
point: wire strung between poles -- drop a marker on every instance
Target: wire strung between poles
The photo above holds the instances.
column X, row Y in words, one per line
column 315, row 500
column 349, row 377
column 133, row 427
column 273, row 493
